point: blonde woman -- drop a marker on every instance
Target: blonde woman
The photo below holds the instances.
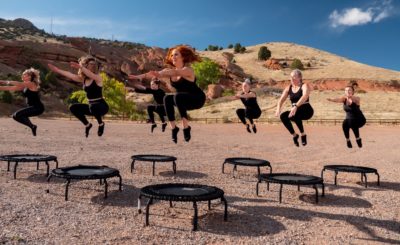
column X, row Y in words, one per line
column 188, row 95
column 93, row 86
column 30, row 89
column 299, row 94
column 355, row 119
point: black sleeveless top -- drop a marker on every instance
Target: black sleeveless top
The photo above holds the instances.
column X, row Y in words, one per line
column 157, row 94
column 32, row 97
column 294, row 97
column 185, row 86
column 93, row 91
column 352, row 111
column 250, row 103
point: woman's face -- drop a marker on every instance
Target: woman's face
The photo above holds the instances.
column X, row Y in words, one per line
column 26, row 77
column 296, row 79
column 91, row 65
column 153, row 85
column 176, row 57
column 348, row 91
column 246, row 87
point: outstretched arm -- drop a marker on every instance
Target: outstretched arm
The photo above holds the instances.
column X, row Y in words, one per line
column 284, row 96
column 11, row 88
column 136, row 86
column 185, row 72
column 336, row 100
column 246, row 96
column 67, row 74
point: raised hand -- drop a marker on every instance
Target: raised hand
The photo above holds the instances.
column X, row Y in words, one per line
column 53, row 68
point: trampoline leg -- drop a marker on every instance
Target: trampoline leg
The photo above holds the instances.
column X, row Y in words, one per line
column 298, row 187
column 66, row 189
column 48, row 178
column 8, row 166
column 48, row 168
column 105, row 188
column 37, row 165
column 195, row 216
column 322, row 173
column 15, row 170
column 258, row 182
column 170, row 204
column 56, row 163
column 365, row 177
column 378, row 178
column 139, row 204
column 336, row 173
column 48, row 183
column 362, row 179
column 148, row 210
column 100, row 181
column 223, row 168
column 323, row 189
column 267, row 186
column 270, row 170
column 233, row 171
column 316, row 193
column 209, row 204
column 120, row 182
column 226, row 208
column 174, row 167
column 154, row 165
column 280, row 194
column 258, row 172
column 132, row 165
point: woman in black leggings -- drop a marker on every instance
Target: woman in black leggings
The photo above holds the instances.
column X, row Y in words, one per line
column 355, row 119
column 252, row 110
column 93, row 86
column 30, row 90
column 298, row 93
column 158, row 95
column 188, row 95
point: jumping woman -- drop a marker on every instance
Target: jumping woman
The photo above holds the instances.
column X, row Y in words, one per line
column 299, row 94
column 30, row 89
column 355, row 119
column 92, row 85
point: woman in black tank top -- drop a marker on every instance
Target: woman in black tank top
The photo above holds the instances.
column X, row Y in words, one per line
column 158, row 106
column 93, row 86
column 299, row 93
column 30, row 90
column 252, row 110
column 355, row 119
column 181, row 76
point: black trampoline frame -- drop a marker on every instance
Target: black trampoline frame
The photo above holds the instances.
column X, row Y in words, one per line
column 315, row 182
column 149, row 193
column 40, row 158
column 68, row 177
column 147, row 158
column 235, row 163
column 356, row 169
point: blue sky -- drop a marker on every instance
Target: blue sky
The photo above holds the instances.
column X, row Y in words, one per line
column 366, row 31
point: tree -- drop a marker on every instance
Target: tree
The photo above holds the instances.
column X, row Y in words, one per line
column 264, row 53
column 297, row 64
column 230, row 46
column 237, row 48
column 207, row 72
column 242, row 49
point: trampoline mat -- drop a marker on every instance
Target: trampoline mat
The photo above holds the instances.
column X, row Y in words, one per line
column 287, row 178
column 27, row 158
column 151, row 158
column 350, row 168
column 182, row 192
column 247, row 161
column 85, row 172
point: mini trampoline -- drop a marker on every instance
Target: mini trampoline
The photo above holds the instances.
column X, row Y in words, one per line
column 175, row 192
column 351, row 169
column 83, row 172
column 292, row 179
column 153, row 159
column 26, row 158
column 245, row 161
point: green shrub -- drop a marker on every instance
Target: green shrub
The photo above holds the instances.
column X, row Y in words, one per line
column 297, row 64
column 228, row 92
column 237, row 48
column 242, row 49
column 207, row 72
column 6, row 97
column 230, row 46
column 264, row 53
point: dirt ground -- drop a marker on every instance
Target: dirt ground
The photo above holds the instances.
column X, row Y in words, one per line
column 349, row 212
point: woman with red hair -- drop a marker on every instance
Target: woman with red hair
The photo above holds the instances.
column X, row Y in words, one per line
column 181, row 75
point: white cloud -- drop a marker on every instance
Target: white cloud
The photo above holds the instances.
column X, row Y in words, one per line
column 361, row 16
